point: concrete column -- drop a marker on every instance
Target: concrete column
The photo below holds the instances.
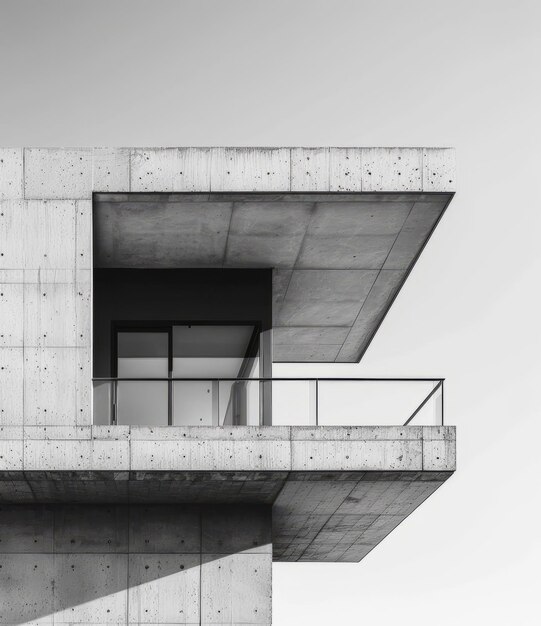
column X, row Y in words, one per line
column 265, row 369
column 135, row 564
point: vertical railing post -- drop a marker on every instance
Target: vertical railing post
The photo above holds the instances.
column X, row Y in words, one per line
column 442, row 402
column 317, row 401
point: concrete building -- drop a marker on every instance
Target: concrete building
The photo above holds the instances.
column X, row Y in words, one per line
column 151, row 467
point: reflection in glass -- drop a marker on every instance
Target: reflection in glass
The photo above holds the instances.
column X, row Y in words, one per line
column 212, row 352
column 205, row 352
column 142, row 355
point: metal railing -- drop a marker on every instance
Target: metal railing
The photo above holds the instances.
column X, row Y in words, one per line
column 269, row 401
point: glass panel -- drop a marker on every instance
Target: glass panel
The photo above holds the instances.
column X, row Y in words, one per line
column 226, row 408
column 103, row 403
column 216, row 403
column 194, row 404
column 240, row 403
column 142, row 367
column 143, row 355
column 252, row 405
column 370, row 403
column 210, row 352
column 293, row 403
column 145, row 344
column 142, row 403
column 201, row 351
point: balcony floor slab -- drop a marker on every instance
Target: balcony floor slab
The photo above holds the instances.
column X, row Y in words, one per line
column 336, row 492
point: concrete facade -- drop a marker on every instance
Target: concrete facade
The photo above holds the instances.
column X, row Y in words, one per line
column 335, row 492
column 134, row 525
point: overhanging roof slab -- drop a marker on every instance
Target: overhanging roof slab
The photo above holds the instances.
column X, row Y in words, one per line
column 339, row 259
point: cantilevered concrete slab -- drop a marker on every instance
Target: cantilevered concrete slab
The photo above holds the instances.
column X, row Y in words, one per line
column 339, row 259
column 336, row 491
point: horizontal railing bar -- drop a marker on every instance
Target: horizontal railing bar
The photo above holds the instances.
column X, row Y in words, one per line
column 211, row 379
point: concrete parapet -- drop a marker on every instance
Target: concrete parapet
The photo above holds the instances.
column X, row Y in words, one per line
column 74, row 173
column 235, row 449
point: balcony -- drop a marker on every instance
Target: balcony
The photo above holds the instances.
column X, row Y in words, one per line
column 269, row 401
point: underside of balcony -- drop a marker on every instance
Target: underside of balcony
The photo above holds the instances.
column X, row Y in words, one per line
column 335, row 492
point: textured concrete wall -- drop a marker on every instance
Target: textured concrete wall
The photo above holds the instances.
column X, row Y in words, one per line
column 130, row 564
column 28, row 453
column 81, row 564
column 45, row 241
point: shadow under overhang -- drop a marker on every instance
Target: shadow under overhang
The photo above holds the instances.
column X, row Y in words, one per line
column 324, row 516
column 338, row 259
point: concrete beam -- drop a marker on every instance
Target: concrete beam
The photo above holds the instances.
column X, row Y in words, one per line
column 363, row 448
column 210, row 449
column 174, row 449
column 64, row 173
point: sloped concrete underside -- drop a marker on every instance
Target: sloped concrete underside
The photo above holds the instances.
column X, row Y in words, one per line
column 339, row 259
column 341, row 517
column 317, row 516
column 335, row 492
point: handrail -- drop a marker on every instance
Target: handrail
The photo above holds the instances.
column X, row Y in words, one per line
column 261, row 379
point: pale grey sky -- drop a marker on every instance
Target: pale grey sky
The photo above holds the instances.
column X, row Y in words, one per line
column 382, row 72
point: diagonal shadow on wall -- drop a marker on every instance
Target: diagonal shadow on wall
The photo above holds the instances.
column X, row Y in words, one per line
column 134, row 564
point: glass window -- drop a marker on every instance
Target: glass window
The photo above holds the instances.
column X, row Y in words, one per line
column 143, row 355
column 210, row 352
column 203, row 352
